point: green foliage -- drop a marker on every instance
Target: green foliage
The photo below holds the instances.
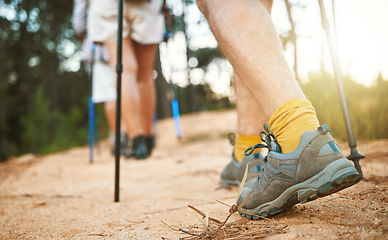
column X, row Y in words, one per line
column 50, row 130
column 37, row 93
column 368, row 106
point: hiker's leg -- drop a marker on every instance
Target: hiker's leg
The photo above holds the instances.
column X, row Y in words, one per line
column 247, row 37
column 103, row 25
column 250, row 116
column 145, row 55
column 130, row 110
column 250, row 119
column 110, row 114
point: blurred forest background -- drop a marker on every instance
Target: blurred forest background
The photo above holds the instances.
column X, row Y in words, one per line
column 44, row 92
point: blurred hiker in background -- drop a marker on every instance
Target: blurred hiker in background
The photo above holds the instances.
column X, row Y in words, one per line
column 303, row 160
column 103, row 86
column 143, row 27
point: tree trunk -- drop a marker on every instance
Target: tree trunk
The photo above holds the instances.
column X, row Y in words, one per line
column 3, row 117
column 293, row 39
column 191, row 98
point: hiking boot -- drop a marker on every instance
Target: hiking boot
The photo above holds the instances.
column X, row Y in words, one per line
column 316, row 168
column 124, row 147
column 140, row 148
column 234, row 171
column 150, row 143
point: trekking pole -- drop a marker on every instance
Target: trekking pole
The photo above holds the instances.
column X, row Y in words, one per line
column 175, row 112
column 174, row 101
column 91, row 107
column 119, row 70
column 354, row 155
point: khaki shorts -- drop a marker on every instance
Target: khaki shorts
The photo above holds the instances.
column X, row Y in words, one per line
column 143, row 22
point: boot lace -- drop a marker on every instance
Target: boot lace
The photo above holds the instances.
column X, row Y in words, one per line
column 267, row 138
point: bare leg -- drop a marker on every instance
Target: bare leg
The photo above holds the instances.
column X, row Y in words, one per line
column 247, row 37
column 250, row 119
column 250, row 116
column 145, row 55
column 130, row 96
column 110, row 114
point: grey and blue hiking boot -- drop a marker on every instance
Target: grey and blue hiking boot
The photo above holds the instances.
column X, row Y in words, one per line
column 124, row 147
column 150, row 143
column 234, row 171
column 316, row 168
column 139, row 146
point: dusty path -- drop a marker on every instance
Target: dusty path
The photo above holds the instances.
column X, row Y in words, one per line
column 63, row 196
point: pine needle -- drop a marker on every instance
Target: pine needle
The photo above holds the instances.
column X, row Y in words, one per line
column 206, row 212
column 242, row 183
column 245, row 200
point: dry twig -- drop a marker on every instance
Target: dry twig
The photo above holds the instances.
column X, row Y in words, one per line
column 181, row 230
column 204, row 215
column 242, row 231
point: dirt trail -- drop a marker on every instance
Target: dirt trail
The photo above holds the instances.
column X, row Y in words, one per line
column 61, row 195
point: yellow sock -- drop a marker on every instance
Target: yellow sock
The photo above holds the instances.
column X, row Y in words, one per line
column 290, row 121
column 244, row 142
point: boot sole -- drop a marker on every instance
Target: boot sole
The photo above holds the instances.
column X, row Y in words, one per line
column 338, row 175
